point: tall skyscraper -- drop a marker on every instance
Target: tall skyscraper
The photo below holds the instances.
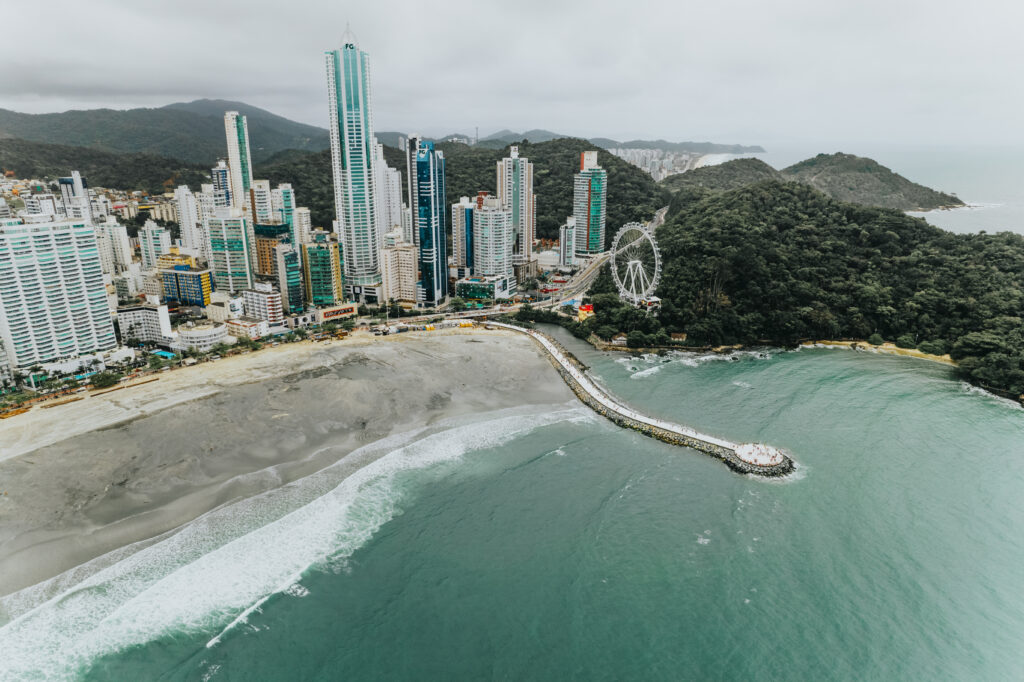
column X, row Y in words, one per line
column 589, row 205
column 154, row 241
column 236, row 130
column 431, row 223
column 115, row 249
column 412, row 146
column 189, row 221
column 229, row 234
column 462, row 234
column 350, row 107
column 388, row 184
column 53, row 302
column 515, row 191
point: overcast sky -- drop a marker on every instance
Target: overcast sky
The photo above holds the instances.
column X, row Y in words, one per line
column 745, row 71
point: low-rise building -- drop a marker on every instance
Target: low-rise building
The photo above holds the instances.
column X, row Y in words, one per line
column 485, row 288
column 200, row 337
column 248, row 328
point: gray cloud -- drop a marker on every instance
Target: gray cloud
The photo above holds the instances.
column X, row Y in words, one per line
column 731, row 71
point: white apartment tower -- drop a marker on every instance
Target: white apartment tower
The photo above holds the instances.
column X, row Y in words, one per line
column 515, row 191
column 303, row 225
column 53, row 302
column 190, row 221
column 236, row 130
column 350, row 108
column 492, row 239
column 154, row 241
column 388, row 182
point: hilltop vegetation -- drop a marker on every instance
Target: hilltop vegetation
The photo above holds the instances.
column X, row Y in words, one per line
column 632, row 194
column 781, row 262
column 147, row 172
column 841, row 176
column 863, row 181
column 193, row 131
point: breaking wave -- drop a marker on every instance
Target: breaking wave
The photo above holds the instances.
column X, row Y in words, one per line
column 210, row 574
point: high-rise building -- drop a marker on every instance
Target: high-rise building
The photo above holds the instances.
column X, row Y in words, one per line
column 431, row 224
column 115, row 248
column 261, row 203
column 322, row 272
column 302, row 226
column 411, row 148
column 42, row 205
column 290, row 278
column 351, row 128
column 229, row 233
column 282, row 200
column 567, row 242
column 154, row 241
column 189, row 221
column 388, row 183
column 589, row 205
column 263, row 303
column 492, row 239
column 53, row 302
column 398, row 268
column 236, row 130
column 515, row 191
column 187, row 286
column 75, row 198
column 148, row 322
column 462, row 234
column 221, row 176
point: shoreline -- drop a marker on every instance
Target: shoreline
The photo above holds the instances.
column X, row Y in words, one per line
column 884, row 349
column 98, row 475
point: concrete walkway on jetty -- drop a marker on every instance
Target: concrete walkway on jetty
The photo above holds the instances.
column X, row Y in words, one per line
column 749, row 458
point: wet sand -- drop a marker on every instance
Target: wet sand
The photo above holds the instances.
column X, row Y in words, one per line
column 95, row 475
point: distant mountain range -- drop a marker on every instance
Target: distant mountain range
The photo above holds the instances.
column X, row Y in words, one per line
column 190, row 131
column 194, row 132
column 844, row 177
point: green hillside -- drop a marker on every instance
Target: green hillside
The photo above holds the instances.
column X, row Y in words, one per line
column 723, row 177
column 632, row 194
column 146, row 172
column 841, row 176
column 780, row 262
column 853, row 178
column 193, row 131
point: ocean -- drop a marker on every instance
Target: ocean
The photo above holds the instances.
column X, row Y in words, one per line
column 547, row 543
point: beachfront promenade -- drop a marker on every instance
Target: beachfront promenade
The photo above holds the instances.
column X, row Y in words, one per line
column 753, row 458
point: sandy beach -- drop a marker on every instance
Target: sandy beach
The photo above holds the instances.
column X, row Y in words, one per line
column 82, row 479
column 884, row 349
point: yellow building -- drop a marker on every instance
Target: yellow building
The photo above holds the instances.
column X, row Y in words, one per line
column 168, row 260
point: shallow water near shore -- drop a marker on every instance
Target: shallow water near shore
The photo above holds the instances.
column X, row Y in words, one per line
column 546, row 543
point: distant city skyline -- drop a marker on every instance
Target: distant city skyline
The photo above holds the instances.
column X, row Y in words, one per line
column 739, row 72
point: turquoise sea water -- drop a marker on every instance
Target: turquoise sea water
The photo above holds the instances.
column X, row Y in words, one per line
column 550, row 544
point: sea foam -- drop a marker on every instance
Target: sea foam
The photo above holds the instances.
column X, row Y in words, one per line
column 215, row 570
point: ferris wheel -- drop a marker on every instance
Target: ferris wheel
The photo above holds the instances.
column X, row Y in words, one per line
column 635, row 263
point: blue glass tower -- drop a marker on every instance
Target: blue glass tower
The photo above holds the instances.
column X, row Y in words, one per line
column 431, row 225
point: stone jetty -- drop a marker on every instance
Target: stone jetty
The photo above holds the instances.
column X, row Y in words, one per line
column 748, row 458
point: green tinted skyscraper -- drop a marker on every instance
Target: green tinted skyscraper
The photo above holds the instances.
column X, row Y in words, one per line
column 351, row 128
column 589, row 205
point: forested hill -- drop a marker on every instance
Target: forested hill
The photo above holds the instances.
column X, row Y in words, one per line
column 724, row 176
column 147, row 172
column 854, row 178
column 777, row 262
column 193, row 131
column 632, row 194
column 841, row 176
